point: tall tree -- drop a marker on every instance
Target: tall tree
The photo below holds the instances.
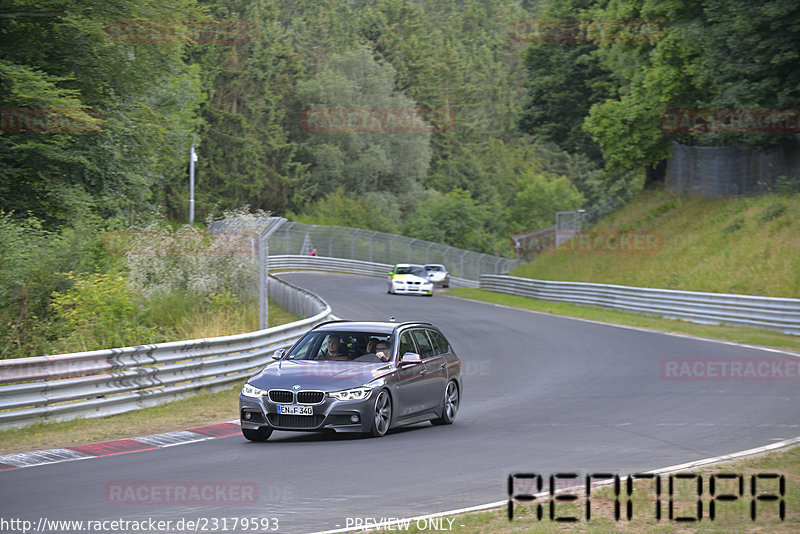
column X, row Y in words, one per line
column 246, row 154
column 115, row 116
column 723, row 55
column 363, row 134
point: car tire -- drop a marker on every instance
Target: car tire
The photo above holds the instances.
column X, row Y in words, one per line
column 262, row 434
column 452, row 399
column 381, row 414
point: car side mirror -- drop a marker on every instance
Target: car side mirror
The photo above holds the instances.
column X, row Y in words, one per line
column 278, row 354
column 391, row 273
column 410, row 358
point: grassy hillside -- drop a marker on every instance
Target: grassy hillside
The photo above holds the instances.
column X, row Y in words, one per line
column 740, row 245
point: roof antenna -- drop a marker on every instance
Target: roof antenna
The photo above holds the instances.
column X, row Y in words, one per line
column 391, row 319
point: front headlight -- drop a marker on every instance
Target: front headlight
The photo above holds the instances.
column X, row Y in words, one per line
column 252, row 391
column 351, row 394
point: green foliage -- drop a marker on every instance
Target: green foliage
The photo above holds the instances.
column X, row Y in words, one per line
column 735, row 225
column 538, row 196
column 359, row 160
column 746, row 245
column 100, row 311
column 162, row 259
column 563, row 81
column 710, row 55
column 131, row 108
column 246, row 156
column 371, row 211
column 453, row 218
column 731, row 55
column 31, row 258
column 773, row 211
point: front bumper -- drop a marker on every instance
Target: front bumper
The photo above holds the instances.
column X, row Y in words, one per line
column 412, row 289
column 330, row 414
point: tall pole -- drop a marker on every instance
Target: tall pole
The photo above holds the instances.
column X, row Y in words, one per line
column 192, row 159
column 263, row 281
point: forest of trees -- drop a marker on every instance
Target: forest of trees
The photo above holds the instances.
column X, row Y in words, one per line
column 525, row 117
column 516, row 126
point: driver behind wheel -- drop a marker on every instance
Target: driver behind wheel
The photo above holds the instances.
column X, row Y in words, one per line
column 335, row 350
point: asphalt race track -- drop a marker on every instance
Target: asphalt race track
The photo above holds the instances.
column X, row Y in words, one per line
column 542, row 394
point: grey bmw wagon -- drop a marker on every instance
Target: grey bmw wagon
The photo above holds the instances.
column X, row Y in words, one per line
column 347, row 376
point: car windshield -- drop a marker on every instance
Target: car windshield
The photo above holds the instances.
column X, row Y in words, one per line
column 434, row 268
column 345, row 346
column 416, row 271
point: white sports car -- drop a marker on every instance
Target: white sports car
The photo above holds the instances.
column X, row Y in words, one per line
column 438, row 274
column 409, row 278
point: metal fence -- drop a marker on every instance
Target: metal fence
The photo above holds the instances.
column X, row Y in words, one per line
column 724, row 171
column 365, row 268
column 294, row 238
column 707, row 308
column 111, row 381
column 568, row 225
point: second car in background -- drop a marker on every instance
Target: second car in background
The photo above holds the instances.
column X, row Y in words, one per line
column 438, row 275
column 409, row 278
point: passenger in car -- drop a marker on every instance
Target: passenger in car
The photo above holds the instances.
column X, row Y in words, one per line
column 377, row 350
column 382, row 351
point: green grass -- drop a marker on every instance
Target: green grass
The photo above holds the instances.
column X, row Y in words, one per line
column 729, row 517
column 735, row 245
column 737, row 334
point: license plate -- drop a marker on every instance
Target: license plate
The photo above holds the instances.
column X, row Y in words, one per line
column 295, row 410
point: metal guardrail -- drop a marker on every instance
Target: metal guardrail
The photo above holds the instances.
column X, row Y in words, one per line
column 111, row 381
column 707, row 308
column 365, row 268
